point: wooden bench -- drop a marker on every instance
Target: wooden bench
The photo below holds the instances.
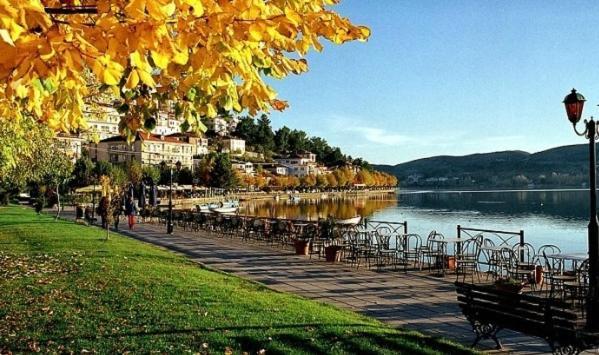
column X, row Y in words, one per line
column 489, row 310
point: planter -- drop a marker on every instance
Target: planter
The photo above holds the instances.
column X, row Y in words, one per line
column 333, row 253
column 539, row 275
column 450, row 262
column 509, row 287
column 79, row 212
column 302, row 247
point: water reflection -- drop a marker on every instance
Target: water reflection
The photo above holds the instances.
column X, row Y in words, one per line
column 569, row 204
column 546, row 217
column 313, row 209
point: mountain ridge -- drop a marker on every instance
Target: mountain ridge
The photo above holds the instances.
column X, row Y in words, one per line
column 558, row 166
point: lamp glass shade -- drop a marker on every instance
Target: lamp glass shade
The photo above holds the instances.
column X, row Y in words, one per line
column 574, row 104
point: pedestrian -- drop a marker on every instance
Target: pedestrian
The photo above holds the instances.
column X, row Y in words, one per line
column 117, row 210
column 103, row 209
column 130, row 211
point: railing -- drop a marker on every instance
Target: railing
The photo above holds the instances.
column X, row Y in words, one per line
column 503, row 236
column 395, row 227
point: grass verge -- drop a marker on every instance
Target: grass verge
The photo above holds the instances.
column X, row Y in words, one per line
column 65, row 289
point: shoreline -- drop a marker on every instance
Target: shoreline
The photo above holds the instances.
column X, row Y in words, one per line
column 258, row 196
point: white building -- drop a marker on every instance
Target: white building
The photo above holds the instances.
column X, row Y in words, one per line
column 148, row 149
column 301, row 164
column 70, row 145
column 102, row 122
column 245, row 167
column 234, row 146
column 274, row 168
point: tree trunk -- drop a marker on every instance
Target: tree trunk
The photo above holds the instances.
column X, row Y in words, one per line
column 58, row 200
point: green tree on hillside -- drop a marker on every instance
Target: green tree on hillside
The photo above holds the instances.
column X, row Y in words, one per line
column 264, row 135
column 298, row 140
column 246, row 129
column 282, row 139
column 222, row 173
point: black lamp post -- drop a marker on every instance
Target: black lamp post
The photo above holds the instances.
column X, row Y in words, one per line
column 169, row 226
column 574, row 103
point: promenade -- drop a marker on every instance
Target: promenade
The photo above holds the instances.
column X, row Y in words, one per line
column 409, row 300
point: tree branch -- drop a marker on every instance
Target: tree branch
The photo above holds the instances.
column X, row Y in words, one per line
column 72, row 10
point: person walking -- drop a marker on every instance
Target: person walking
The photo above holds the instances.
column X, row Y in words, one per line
column 103, row 208
column 117, row 210
column 131, row 212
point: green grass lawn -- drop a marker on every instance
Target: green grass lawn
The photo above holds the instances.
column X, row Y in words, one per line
column 63, row 288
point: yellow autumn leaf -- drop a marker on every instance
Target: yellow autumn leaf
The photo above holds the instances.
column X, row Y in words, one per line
column 210, row 111
column 136, row 9
column 160, row 59
column 181, row 57
column 132, row 80
column 146, row 78
column 256, row 31
column 112, row 75
column 5, row 36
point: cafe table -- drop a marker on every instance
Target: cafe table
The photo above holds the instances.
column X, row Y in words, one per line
column 442, row 245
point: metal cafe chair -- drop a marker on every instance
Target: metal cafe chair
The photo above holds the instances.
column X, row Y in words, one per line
column 576, row 290
column 432, row 250
column 387, row 252
column 489, row 258
column 546, row 267
column 410, row 250
column 523, row 263
column 363, row 248
column 467, row 255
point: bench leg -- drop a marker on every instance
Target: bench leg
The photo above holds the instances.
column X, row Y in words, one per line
column 559, row 349
column 486, row 331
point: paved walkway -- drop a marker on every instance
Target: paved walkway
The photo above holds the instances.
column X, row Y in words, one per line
column 409, row 300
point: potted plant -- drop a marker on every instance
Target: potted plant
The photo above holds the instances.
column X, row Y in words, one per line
column 509, row 285
column 302, row 245
column 332, row 253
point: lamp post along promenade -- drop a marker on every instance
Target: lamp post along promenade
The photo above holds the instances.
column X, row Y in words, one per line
column 574, row 103
column 169, row 224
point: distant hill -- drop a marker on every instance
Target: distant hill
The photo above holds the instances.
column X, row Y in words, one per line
column 561, row 166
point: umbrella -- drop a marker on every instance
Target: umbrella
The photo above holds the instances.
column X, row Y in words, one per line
column 89, row 189
column 142, row 196
column 153, row 195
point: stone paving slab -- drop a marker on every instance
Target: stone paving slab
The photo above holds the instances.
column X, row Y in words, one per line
column 409, row 300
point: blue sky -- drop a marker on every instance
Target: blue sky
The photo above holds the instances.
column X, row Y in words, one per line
column 449, row 77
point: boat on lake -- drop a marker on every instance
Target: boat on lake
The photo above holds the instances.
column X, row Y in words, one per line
column 226, row 207
column 349, row 221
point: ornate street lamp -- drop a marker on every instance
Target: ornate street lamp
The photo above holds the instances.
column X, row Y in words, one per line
column 169, row 225
column 574, row 103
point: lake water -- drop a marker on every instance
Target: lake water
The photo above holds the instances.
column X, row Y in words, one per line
column 546, row 216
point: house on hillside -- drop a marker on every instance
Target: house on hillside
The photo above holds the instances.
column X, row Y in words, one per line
column 233, row 146
column 148, row 149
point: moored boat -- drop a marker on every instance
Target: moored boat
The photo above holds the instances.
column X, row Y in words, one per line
column 225, row 210
column 225, row 207
column 349, row 221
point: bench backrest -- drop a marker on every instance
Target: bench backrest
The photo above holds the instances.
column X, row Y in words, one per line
column 543, row 317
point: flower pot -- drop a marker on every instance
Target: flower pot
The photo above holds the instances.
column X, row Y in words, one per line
column 302, row 247
column 538, row 274
column 332, row 253
column 509, row 287
column 450, row 262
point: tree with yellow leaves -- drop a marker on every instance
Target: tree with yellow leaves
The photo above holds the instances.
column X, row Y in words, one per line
column 200, row 57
